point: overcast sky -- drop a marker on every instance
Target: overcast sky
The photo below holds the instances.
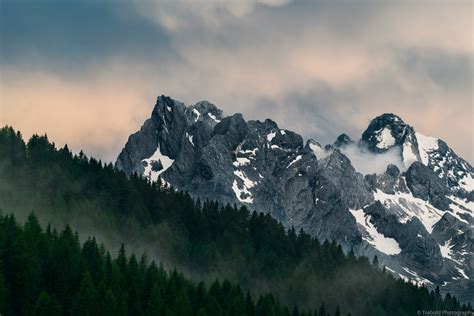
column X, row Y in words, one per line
column 88, row 72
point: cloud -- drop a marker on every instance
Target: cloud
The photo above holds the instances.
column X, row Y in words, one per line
column 96, row 116
column 71, row 37
column 319, row 68
column 175, row 15
column 369, row 163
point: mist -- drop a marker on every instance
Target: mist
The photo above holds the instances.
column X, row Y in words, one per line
column 366, row 162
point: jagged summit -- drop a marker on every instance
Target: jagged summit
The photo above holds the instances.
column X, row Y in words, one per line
column 342, row 140
column 389, row 117
column 386, row 131
column 393, row 214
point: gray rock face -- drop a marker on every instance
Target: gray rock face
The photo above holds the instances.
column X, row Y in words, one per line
column 337, row 168
column 406, row 218
column 424, row 184
column 389, row 182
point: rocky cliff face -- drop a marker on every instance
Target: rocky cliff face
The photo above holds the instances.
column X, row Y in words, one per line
column 419, row 221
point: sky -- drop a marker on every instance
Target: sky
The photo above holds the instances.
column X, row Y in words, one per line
column 87, row 72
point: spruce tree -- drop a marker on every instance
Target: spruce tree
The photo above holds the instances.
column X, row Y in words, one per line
column 86, row 302
column 46, row 305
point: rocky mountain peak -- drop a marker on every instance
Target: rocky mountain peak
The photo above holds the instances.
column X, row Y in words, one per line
column 166, row 104
column 342, row 140
column 389, row 131
column 271, row 123
column 204, row 111
column 316, row 148
column 386, row 131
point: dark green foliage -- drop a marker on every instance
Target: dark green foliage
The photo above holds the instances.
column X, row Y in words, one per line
column 202, row 238
column 46, row 305
column 147, row 289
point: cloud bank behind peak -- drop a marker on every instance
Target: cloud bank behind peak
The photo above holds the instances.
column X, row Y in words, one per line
column 317, row 67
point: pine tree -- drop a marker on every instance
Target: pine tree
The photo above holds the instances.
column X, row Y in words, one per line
column 110, row 303
column 295, row 311
column 4, row 300
column 202, row 312
column 86, row 302
column 46, row 305
column 156, row 304
column 122, row 259
column 322, row 310
column 375, row 262
column 249, row 305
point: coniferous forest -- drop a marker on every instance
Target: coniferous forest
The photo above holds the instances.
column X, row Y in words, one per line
column 49, row 271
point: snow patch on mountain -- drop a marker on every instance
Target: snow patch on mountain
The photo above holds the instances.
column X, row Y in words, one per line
column 252, row 152
column 197, row 114
column 385, row 138
column 408, row 155
column 464, row 204
column 467, row 183
column 241, row 161
column 212, row 116
column 426, row 145
column 190, row 138
column 294, row 160
column 242, row 190
column 278, row 147
column 462, row 272
column 370, row 234
column 446, row 249
column 156, row 164
column 270, row 136
column 414, row 278
column 405, row 206
column 460, row 209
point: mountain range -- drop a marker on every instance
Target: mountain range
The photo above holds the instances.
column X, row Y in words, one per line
column 394, row 193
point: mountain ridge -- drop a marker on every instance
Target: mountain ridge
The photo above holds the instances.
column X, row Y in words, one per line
column 315, row 188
